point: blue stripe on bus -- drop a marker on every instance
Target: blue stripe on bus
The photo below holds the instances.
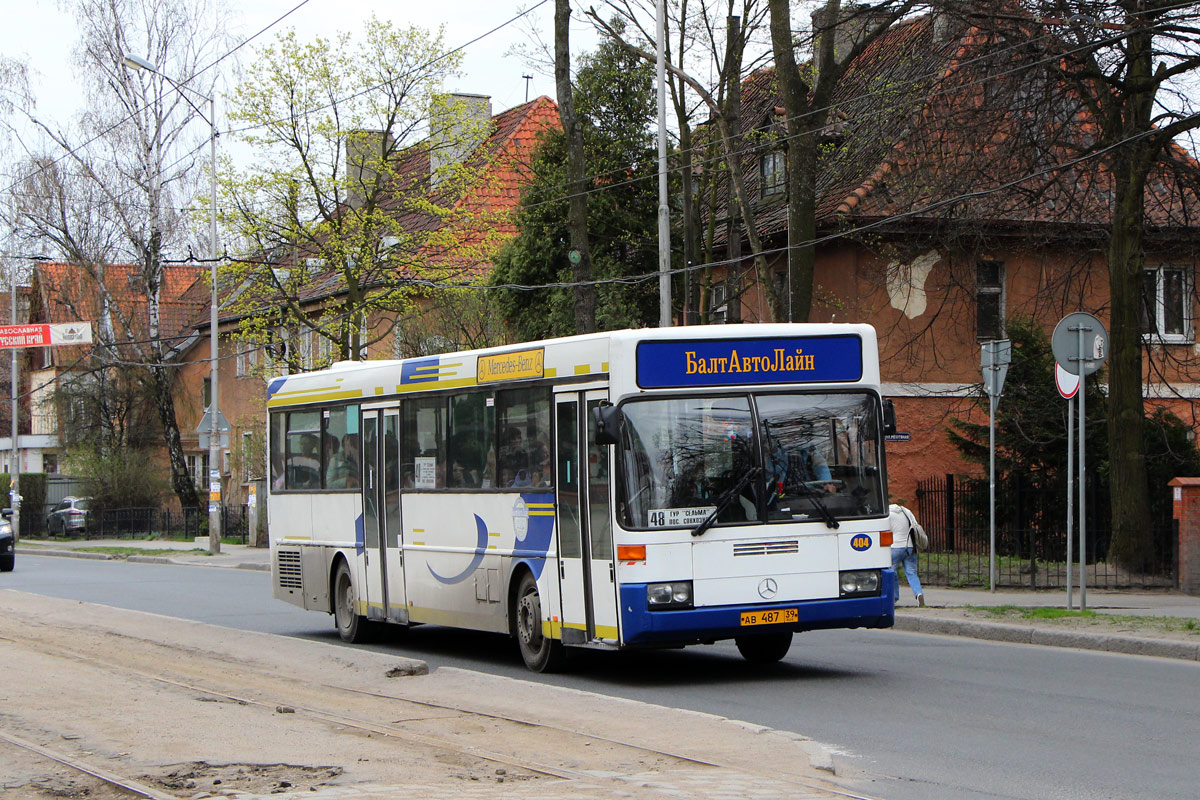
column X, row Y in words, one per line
column 420, row 370
column 641, row 626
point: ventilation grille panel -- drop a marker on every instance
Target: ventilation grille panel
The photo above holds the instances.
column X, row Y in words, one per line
column 774, row 548
column 289, row 569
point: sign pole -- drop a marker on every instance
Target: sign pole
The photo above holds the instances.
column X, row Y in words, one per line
column 1067, row 384
column 992, row 493
column 996, row 355
column 1080, row 343
column 14, row 474
column 1082, row 475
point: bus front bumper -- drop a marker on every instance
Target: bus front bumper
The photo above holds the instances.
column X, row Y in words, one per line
column 640, row 626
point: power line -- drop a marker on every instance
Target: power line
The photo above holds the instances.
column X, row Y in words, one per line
column 73, row 151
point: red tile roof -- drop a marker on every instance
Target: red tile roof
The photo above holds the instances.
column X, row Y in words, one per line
column 952, row 130
column 71, row 293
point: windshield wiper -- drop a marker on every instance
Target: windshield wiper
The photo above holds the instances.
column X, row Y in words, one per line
column 813, row 495
column 724, row 500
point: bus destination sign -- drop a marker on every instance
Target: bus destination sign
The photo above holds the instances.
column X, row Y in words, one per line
column 730, row 362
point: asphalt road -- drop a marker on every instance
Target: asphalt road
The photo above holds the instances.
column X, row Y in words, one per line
column 909, row 716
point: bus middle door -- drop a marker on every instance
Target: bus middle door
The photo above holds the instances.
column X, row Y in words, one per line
column 381, row 515
column 585, row 552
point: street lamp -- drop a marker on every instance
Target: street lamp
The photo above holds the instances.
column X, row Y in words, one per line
column 214, row 441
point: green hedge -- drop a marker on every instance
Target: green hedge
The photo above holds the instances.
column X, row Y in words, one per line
column 33, row 490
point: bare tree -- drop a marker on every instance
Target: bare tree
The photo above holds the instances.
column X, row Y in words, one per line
column 132, row 154
column 1125, row 66
column 729, row 47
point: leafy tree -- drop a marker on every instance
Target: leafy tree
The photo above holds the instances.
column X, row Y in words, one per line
column 357, row 186
column 615, row 103
column 118, row 479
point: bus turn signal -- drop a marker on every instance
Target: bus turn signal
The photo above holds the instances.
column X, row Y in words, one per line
column 631, row 552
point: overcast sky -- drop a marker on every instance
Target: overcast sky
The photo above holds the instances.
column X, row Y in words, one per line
column 43, row 34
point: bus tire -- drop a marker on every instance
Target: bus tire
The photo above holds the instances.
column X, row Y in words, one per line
column 540, row 653
column 765, row 648
column 351, row 626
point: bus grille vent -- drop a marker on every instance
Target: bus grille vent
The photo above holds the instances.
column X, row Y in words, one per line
column 289, row 569
column 766, row 548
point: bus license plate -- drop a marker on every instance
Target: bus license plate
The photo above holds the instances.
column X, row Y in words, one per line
column 771, row 617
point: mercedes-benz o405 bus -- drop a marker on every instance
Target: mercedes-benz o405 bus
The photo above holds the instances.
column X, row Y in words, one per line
column 636, row 488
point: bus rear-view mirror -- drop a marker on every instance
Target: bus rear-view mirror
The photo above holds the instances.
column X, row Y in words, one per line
column 608, row 424
column 889, row 418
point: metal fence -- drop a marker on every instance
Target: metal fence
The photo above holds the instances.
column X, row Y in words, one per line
column 1031, row 536
column 144, row 523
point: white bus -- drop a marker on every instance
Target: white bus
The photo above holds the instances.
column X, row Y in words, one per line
column 655, row 487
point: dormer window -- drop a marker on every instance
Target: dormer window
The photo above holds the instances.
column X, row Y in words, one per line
column 772, row 173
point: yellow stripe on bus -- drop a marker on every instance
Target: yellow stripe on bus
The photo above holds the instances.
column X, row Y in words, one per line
column 296, row 398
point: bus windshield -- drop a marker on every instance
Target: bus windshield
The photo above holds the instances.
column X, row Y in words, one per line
column 816, row 458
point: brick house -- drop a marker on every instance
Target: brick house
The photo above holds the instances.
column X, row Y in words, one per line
column 951, row 198
column 60, row 293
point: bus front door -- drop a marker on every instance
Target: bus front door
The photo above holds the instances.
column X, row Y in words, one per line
column 385, row 590
column 586, row 568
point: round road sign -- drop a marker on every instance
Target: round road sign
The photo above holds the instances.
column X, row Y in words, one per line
column 1080, row 341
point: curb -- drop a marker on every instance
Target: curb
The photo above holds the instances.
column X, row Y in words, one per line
column 1029, row 634
column 25, row 551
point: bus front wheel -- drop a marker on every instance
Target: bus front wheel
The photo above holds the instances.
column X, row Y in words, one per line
column 351, row 626
column 541, row 653
column 765, row 648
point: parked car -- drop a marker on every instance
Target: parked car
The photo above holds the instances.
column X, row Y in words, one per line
column 8, row 542
column 69, row 516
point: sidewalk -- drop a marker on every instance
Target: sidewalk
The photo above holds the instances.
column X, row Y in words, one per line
column 949, row 611
column 232, row 556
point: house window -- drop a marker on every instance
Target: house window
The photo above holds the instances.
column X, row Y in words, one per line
column 247, row 360
column 989, row 300
column 1166, row 304
column 206, row 392
column 719, row 304
column 772, row 171
column 197, row 465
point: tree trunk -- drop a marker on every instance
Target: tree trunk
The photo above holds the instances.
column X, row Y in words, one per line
column 801, row 166
column 585, row 293
column 164, row 401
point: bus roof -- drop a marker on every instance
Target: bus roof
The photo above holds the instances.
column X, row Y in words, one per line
column 588, row 357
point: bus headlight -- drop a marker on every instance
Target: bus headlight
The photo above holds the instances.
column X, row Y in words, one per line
column 859, row 582
column 663, row 596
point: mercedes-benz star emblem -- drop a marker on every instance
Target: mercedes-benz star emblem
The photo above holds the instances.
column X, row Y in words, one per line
column 768, row 588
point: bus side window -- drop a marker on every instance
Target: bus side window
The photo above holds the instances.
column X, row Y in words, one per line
column 523, row 418
column 423, row 431
column 472, row 422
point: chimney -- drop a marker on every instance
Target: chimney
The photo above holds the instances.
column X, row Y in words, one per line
column 364, row 155
column 854, row 22
column 458, row 124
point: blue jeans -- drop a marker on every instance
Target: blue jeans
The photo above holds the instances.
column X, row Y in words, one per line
column 907, row 557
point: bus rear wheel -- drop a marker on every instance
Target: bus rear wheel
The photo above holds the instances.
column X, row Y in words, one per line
column 765, row 648
column 351, row 626
column 541, row 654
